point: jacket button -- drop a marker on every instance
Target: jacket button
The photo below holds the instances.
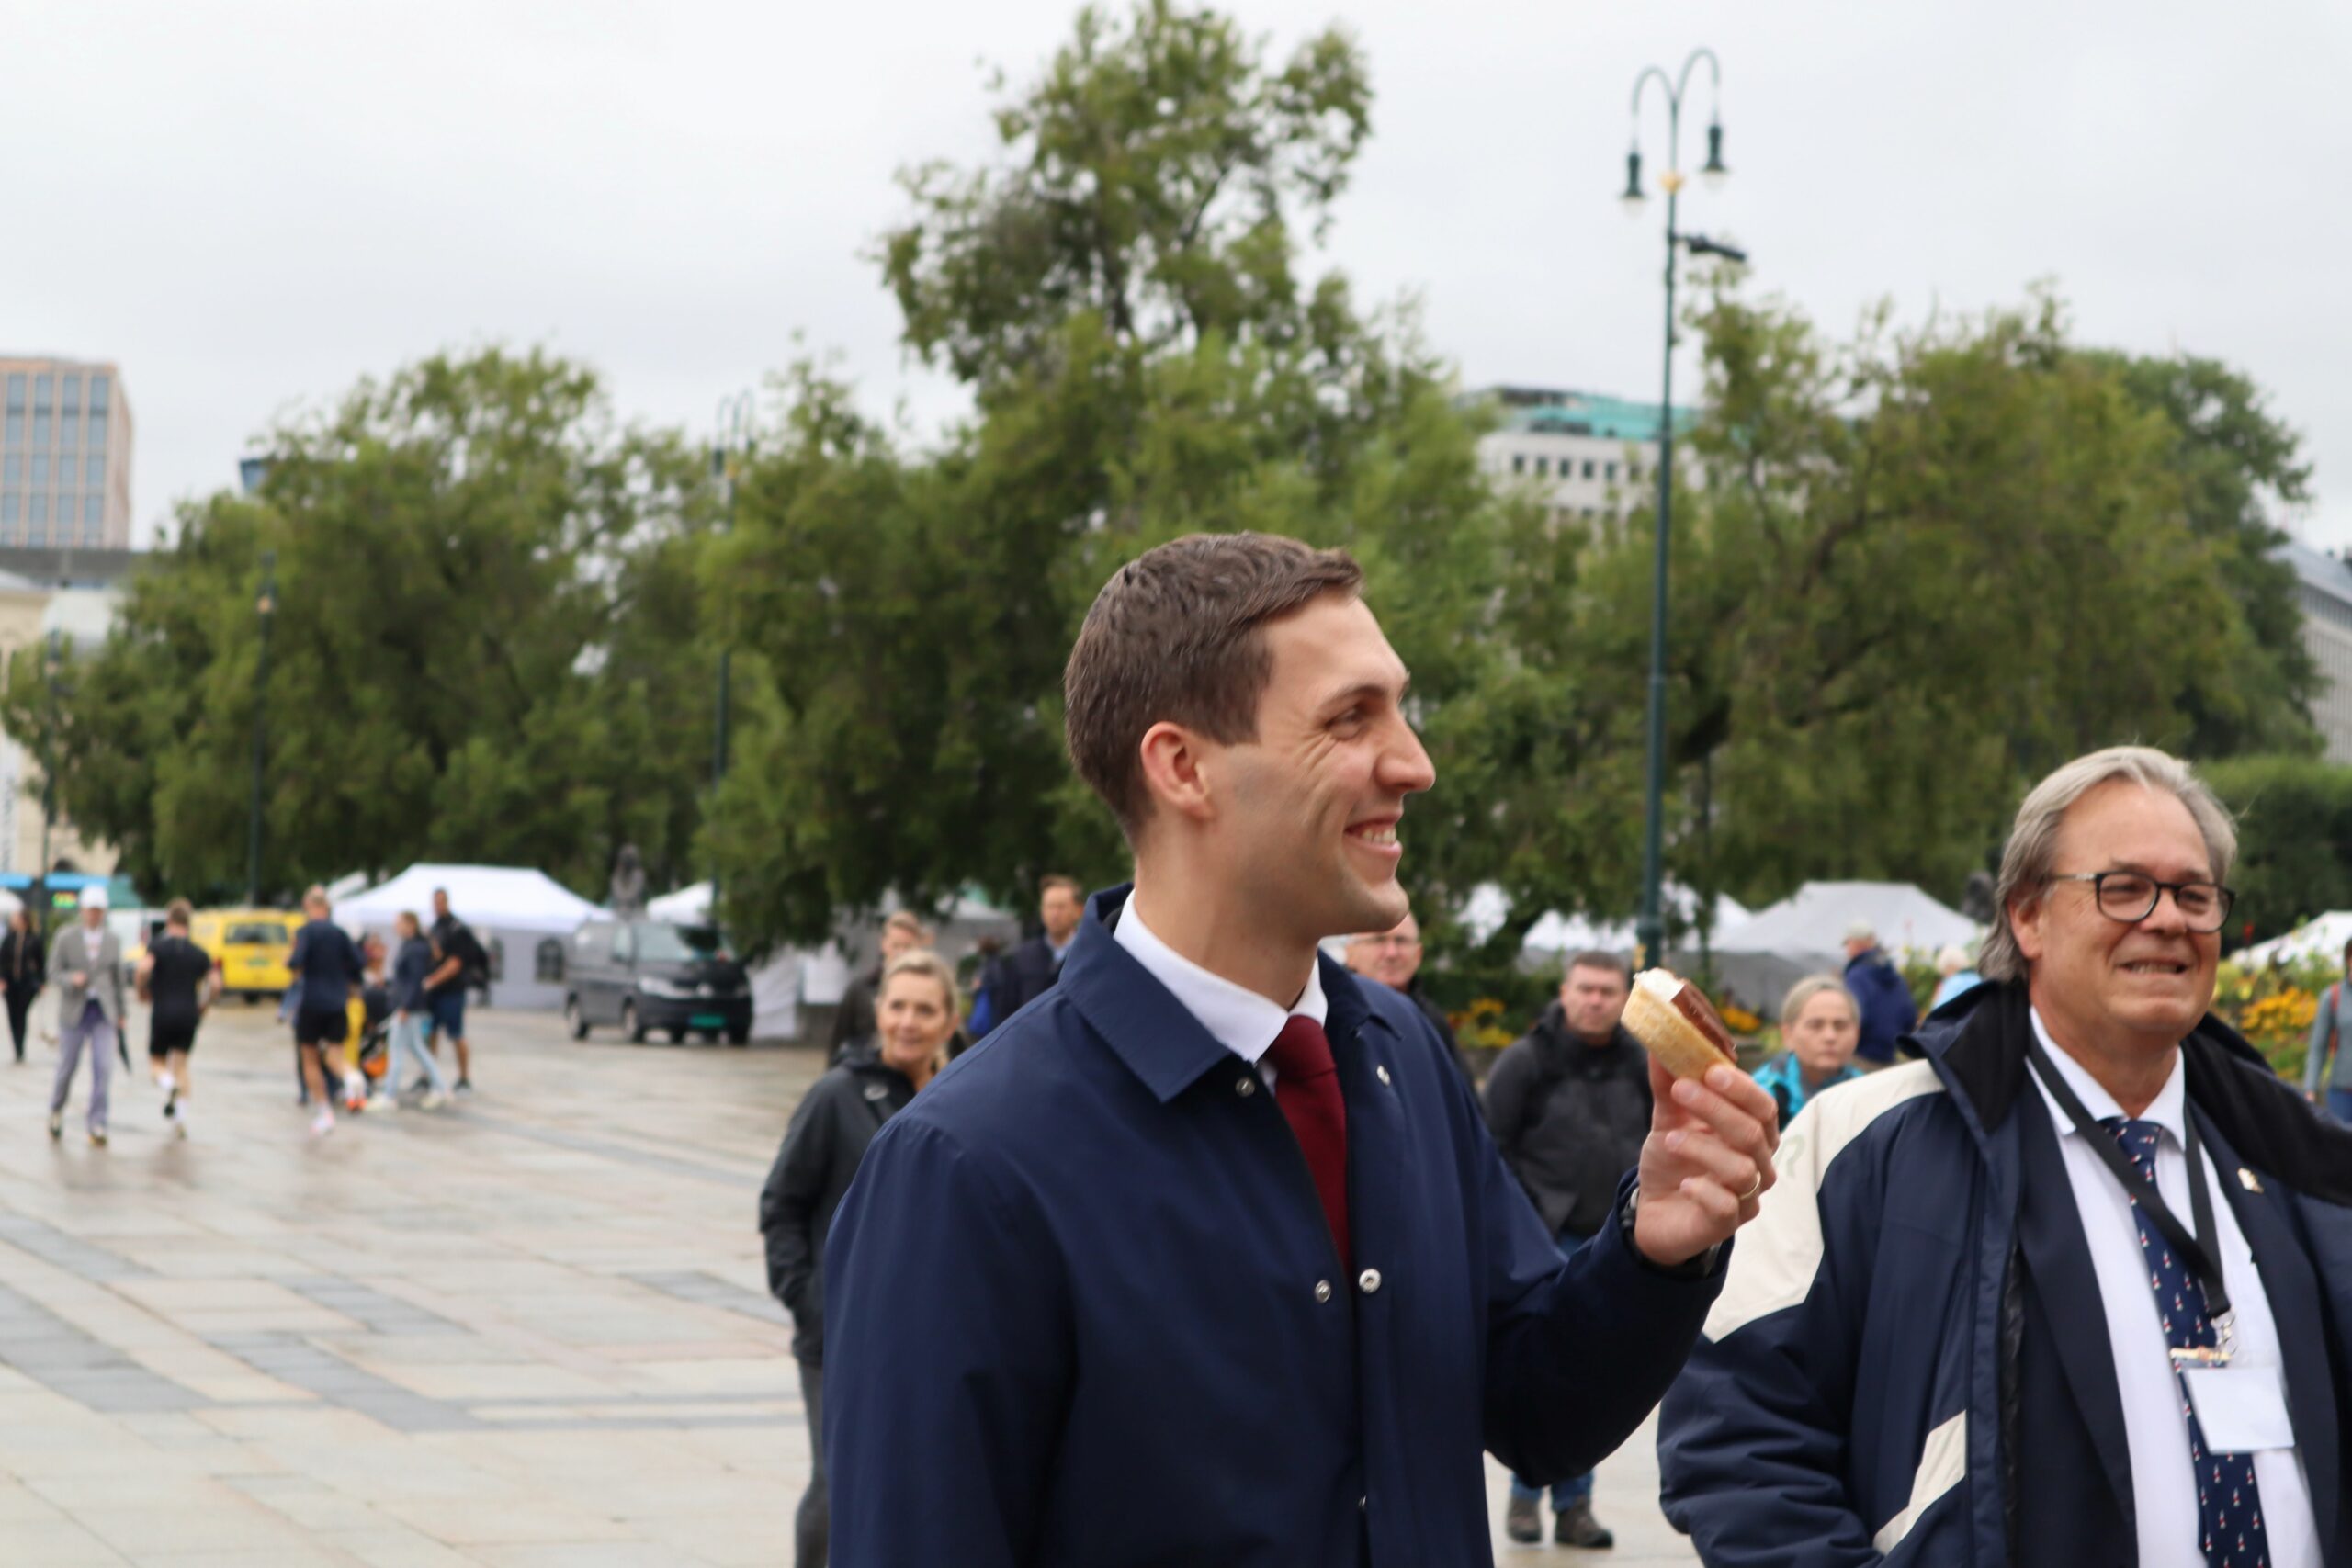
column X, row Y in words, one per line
column 1368, row 1281
column 1322, row 1290
column 1245, row 1086
column 1381, row 1073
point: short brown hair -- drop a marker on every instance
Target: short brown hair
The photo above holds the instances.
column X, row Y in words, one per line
column 178, row 912
column 1176, row 636
column 1594, row 958
column 1068, row 884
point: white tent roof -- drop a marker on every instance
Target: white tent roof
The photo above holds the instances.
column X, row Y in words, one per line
column 1813, row 921
column 2321, row 938
column 1487, row 908
column 508, row 898
column 689, row 906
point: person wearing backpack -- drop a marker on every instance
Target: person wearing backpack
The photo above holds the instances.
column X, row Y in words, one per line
column 460, row 965
column 2332, row 1092
column 1569, row 1104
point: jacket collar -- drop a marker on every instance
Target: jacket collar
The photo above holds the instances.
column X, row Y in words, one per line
column 1977, row 1043
column 1145, row 1027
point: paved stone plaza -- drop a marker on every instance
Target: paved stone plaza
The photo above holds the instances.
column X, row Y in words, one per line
column 532, row 1330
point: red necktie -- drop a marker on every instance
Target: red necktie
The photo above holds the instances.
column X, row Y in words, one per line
column 1306, row 1085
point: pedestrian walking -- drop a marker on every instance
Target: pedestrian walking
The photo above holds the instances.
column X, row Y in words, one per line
column 1393, row 957
column 1888, row 1012
column 2331, row 1090
column 327, row 965
column 1569, row 1103
column 87, row 963
column 903, row 933
column 1029, row 971
column 24, row 968
column 1205, row 1259
column 411, row 964
column 2074, row 1289
column 459, row 962
column 179, row 980
column 822, row 1149
column 1820, row 1025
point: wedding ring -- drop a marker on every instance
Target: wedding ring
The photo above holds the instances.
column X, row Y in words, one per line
column 1754, row 1190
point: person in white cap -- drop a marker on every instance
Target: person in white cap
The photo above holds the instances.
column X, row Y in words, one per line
column 86, row 966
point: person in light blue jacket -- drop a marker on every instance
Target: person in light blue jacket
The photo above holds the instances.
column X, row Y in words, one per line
column 1958, row 973
column 2333, row 1091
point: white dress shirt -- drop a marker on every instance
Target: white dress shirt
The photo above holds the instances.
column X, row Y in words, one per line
column 2164, row 1490
column 1237, row 1018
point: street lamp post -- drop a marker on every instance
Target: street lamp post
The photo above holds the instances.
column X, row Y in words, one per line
column 266, row 607
column 1650, row 930
column 50, row 664
column 729, row 447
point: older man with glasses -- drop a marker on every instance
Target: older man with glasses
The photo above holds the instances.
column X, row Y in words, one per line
column 1393, row 957
column 2075, row 1288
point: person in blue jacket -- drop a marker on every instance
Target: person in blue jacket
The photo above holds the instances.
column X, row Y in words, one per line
column 1964, row 1332
column 1206, row 1257
column 1888, row 1012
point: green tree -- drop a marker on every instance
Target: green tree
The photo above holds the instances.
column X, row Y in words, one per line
column 485, row 647
column 1122, row 293
column 2294, row 817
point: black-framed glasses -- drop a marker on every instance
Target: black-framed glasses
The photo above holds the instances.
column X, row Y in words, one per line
column 2131, row 897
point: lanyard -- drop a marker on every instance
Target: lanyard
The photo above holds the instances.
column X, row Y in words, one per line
column 2189, row 1244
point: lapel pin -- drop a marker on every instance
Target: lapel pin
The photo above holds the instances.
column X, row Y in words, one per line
column 2248, row 1181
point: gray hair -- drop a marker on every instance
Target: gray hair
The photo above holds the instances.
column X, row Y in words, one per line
column 1812, row 985
column 2027, row 862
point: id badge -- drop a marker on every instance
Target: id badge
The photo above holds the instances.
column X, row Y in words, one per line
column 2241, row 1410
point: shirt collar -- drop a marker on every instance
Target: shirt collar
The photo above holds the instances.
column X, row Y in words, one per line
column 1060, row 950
column 1238, row 1019
column 2168, row 1110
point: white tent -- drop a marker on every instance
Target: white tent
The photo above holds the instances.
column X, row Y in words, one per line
column 1806, row 933
column 2321, row 938
column 523, row 917
column 775, row 982
column 1555, row 933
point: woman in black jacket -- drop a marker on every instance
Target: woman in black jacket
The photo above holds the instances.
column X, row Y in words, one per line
column 916, row 1014
column 24, row 968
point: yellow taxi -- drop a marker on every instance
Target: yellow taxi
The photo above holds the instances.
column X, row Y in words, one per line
column 251, row 946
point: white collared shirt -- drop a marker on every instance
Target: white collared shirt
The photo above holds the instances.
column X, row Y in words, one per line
column 1237, row 1018
column 2164, row 1491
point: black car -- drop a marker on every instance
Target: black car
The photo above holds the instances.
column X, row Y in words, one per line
column 640, row 976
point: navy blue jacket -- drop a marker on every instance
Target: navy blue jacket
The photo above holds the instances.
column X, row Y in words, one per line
column 1018, row 978
column 1910, row 1362
column 1084, row 1310
column 1888, row 1012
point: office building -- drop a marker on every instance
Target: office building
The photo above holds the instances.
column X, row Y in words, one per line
column 2323, row 585
column 66, row 449
column 1593, row 456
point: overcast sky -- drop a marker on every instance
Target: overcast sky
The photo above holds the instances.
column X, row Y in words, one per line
column 249, row 205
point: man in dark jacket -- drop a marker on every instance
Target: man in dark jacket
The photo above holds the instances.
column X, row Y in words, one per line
column 1569, row 1103
column 1393, row 957
column 1940, row 1344
column 1206, row 1258
column 1030, row 970
column 854, row 1020
column 1888, row 1012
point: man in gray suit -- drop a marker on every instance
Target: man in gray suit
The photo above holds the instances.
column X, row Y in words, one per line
column 86, row 967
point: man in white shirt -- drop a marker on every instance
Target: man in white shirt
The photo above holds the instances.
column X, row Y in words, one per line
column 1986, row 1317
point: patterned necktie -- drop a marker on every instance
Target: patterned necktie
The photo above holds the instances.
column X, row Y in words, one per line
column 2229, row 1509
column 1306, row 1085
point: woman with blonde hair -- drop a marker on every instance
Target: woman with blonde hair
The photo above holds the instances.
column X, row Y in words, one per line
column 1820, row 1023
column 917, row 1011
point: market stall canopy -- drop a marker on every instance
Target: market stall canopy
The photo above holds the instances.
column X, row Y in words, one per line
column 508, row 898
column 1811, row 922
column 2321, row 938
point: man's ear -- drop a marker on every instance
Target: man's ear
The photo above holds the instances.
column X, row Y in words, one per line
column 1175, row 770
column 2025, row 912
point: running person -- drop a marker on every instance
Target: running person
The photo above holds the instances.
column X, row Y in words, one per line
column 459, row 962
column 326, row 964
column 181, row 980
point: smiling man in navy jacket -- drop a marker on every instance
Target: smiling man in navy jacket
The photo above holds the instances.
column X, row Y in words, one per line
column 1206, row 1258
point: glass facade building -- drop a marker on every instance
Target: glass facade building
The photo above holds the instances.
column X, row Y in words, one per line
column 65, row 447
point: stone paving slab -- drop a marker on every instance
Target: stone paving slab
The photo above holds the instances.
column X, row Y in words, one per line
column 531, row 1330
